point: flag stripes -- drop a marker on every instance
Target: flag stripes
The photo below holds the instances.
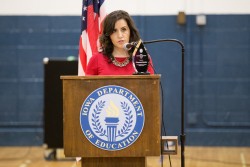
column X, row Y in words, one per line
column 93, row 13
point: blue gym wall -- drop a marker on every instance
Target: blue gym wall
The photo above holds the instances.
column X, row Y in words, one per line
column 217, row 74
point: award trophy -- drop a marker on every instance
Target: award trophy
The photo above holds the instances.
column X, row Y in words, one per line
column 140, row 59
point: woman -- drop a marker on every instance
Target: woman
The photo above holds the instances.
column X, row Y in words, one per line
column 118, row 29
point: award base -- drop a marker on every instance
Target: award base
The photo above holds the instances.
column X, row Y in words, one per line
column 141, row 73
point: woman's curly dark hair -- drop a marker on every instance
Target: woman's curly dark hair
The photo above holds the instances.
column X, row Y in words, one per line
column 108, row 28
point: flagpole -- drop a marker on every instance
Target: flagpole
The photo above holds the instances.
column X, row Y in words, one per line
column 182, row 135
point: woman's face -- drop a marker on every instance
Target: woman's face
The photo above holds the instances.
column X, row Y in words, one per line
column 121, row 34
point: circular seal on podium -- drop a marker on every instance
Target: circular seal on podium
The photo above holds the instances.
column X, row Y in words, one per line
column 112, row 118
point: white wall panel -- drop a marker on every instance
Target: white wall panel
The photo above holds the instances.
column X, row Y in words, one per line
column 134, row 7
column 40, row 7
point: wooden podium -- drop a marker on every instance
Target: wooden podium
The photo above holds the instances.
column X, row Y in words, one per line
column 77, row 88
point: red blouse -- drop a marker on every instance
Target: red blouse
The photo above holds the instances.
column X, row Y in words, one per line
column 100, row 65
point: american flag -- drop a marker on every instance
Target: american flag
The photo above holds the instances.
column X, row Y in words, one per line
column 93, row 13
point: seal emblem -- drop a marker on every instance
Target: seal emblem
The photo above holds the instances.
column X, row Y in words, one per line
column 112, row 118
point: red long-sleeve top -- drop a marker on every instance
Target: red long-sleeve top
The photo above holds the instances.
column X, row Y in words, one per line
column 101, row 65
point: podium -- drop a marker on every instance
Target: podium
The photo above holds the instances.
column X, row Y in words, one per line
column 76, row 89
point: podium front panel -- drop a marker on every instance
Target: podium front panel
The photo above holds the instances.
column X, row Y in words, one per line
column 77, row 88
